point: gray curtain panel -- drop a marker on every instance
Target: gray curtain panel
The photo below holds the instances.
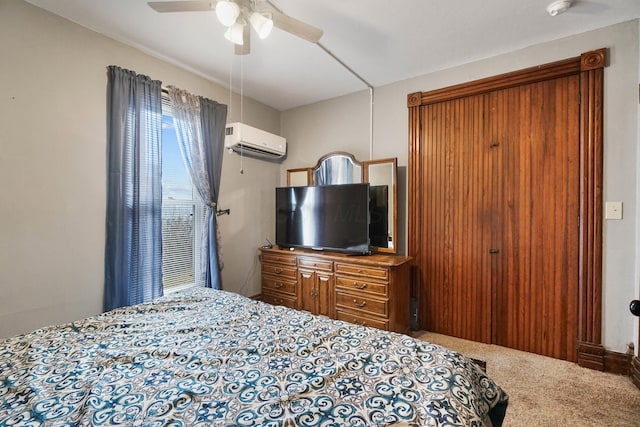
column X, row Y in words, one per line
column 200, row 125
column 133, row 252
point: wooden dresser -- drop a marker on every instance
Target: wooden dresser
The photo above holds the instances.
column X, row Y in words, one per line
column 371, row 290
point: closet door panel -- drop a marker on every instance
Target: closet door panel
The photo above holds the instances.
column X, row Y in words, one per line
column 454, row 220
column 535, row 280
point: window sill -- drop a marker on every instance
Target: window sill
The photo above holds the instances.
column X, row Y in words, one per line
column 181, row 288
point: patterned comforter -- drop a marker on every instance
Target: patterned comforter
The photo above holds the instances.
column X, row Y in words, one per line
column 213, row 358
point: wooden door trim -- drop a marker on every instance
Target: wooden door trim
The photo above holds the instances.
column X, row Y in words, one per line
column 590, row 67
column 554, row 70
column 591, row 166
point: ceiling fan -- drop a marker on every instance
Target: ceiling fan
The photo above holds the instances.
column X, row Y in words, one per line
column 240, row 15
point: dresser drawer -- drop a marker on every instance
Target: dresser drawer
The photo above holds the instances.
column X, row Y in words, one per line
column 279, row 285
column 278, row 258
column 315, row 264
column 361, row 270
column 359, row 319
column 361, row 303
column 280, row 271
column 286, row 301
column 351, row 284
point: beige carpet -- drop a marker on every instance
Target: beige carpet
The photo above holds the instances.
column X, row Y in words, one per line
column 549, row 392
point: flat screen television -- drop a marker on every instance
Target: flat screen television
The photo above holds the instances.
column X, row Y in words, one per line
column 329, row 217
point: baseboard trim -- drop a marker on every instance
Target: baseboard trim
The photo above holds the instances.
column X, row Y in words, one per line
column 635, row 371
column 595, row 356
column 617, row 363
column 591, row 356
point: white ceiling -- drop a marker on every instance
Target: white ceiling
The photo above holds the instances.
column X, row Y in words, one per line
column 383, row 41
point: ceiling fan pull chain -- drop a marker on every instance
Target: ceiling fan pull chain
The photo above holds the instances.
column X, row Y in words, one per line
column 242, row 89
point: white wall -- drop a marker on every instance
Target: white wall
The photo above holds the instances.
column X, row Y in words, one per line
column 339, row 124
column 343, row 123
column 53, row 83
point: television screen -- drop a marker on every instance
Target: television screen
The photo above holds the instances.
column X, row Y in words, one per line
column 333, row 217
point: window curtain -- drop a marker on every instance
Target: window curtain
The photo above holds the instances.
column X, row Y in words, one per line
column 200, row 126
column 133, row 252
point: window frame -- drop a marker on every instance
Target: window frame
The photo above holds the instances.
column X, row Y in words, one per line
column 198, row 210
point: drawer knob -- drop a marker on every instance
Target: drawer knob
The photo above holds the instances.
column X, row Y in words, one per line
column 361, row 304
column 363, row 323
column 359, row 286
column 278, row 285
column 277, row 270
column 360, row 271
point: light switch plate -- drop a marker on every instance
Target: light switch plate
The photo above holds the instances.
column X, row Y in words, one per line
column 613, row 210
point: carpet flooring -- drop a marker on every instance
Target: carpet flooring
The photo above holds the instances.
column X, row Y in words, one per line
column 548, row 392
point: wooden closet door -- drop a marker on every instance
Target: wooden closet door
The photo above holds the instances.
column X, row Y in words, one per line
column 536, row 197
column 515, row 234
column 500, row 217
column 455, row 219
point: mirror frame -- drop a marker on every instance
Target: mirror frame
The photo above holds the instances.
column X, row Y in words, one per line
column 307, row 171
column 350, row 156
column 393, row 195
column 364, row 177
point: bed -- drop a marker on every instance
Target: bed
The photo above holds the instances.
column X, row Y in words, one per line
column 215, row 358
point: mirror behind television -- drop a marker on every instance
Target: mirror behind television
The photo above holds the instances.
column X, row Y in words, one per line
column 341, row 168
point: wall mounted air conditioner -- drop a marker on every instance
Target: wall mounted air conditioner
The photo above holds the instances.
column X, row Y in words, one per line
column 254, row 142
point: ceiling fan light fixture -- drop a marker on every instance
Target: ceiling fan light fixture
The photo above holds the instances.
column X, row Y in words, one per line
column 235, row 34
column 558, row 7
column 227, row 12
column 262, row 23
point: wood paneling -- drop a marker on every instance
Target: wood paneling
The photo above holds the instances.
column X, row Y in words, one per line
column 505, row 208
column 454, row 223
column 536, row 211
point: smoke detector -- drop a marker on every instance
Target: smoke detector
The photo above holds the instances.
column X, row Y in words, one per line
column 558, row 7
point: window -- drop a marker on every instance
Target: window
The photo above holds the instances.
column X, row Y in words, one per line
column 183, row 215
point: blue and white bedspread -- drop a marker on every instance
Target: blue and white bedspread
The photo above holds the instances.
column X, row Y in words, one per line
column 213, row 358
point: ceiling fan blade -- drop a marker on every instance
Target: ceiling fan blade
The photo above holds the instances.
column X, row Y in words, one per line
column 182, row 6
column 296, row 27
column 245, row 47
